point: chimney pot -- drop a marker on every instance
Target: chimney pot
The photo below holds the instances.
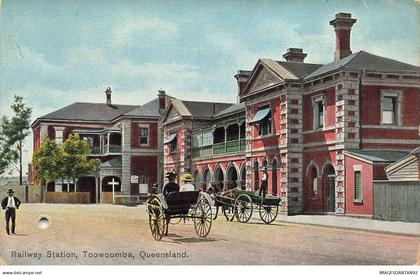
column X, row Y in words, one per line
column 294, row 55
column 242, row 78
column 342, row 25
column 162, row 101
column 108, row 93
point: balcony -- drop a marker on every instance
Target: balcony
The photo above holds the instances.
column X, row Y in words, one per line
column 232, row 146
column 111, row 148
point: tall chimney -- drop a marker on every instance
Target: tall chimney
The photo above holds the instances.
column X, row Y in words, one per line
column 108, row 95
column 342, row 25
column 242, row 78
column 294, row 55
column 162, row 101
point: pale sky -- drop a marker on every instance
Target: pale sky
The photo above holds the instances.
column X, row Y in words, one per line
column 56, row 52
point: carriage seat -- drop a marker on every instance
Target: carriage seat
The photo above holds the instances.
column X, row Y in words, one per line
column 179, row 203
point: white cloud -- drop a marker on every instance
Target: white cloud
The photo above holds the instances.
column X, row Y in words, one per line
column 127, row 31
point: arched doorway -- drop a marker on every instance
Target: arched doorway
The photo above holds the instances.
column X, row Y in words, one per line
column 87, row 184
column 219, row 178
column 274, row 177
column 329, row 188
column 232, row 177
column 256, row 175
column 313, row 196
column 207, row 177
column 197, row 180
column 243, row 177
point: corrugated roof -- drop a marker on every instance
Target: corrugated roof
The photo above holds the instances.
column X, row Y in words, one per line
column 84, row 111
column 232, row 109
column 365, row 61
column 299, row 69
column 378, row 156
column 200, row 109
column 112, row 163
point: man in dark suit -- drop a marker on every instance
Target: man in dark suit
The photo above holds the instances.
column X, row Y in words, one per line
column 264, row 183
column 11, row 204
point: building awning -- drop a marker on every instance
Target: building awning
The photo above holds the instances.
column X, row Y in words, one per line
column 261, row 114
column 170, row 139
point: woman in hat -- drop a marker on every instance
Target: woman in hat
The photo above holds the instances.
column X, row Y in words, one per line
column 186, row 179
column 171, row 186
column 10, row 203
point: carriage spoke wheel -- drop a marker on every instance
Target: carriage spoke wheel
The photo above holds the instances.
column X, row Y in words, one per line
column 156, row 219
column 268, row 213
column 243, row 208
column 202, row 217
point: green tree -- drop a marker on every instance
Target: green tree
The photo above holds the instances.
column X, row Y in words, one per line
column 75, row 159
column 13, row 134
column 48, row 161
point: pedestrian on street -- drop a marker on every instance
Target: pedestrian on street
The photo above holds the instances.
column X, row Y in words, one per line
column 264, row 183
column 186, row 179
column 11, row 204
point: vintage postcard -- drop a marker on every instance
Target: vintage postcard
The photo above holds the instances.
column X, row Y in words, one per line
column 281, row 133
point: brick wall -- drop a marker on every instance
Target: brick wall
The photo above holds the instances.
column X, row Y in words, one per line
column 135, row 134
column 144, row 165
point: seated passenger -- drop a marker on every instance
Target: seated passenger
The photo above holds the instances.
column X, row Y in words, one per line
column 171, row 186
column 187, row 178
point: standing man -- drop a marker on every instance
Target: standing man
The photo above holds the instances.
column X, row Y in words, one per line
column 10, row 203
column 264, row 183
column 171, row 186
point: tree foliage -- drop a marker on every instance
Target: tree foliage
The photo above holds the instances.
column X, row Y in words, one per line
column 48, row 161
column 13, row 132
column 68, row 161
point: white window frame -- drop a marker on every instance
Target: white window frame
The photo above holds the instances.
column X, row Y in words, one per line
column 148, row 134
column 398, row 116
column 315, row 112
column 59, row 134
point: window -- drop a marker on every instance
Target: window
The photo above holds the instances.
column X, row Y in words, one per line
column 59, row 134
column 389, row 110
column 314, row 176
column 173, row 145
column 144, row 136
column 265, row 124
column 357, row 186
column 318, row 113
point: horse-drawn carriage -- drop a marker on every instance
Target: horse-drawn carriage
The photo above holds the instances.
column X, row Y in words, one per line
column 239, row 204
column 193, row 205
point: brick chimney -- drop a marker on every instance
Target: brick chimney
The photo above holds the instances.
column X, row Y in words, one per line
column 294, row 55
column 242, row 78
column 162, row 101
column 342, row 25
column 108, row 93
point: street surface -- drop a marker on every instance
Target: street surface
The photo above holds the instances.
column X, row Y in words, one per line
column 109, row 234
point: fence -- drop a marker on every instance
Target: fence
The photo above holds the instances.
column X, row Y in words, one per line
column 26, row 193
column 397, row 200
column 67, row 197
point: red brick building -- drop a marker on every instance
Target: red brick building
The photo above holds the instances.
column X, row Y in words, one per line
column 308, row 123
column 126, row 138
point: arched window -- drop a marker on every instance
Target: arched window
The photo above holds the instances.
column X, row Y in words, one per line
column 314, row 181
column 256, row 176
column 274, row 177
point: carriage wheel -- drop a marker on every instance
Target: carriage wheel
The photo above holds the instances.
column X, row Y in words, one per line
column 156, row 219
column 202, row 217
column 243, row 208
column 268, row 213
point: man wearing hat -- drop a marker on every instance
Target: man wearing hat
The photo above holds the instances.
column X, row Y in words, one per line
column 10, row 203
column 171, row 186
column 186, row 179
